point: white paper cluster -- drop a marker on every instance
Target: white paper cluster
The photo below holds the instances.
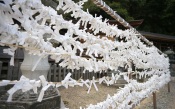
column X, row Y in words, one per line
column 35, row 27
column 132, row 92
column 25, row 84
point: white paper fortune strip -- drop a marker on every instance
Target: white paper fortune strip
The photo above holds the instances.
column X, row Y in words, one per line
column 37, row 32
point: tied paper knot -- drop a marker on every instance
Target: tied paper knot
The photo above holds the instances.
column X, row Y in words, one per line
column 36, row 84
column 68, row 81
column 93, row 81
column 4, row 82
column 143, row 56
column 44, row 88
column 23, row 83
column 85, row 82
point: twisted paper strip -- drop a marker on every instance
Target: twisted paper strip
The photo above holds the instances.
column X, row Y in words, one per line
column 33, row 30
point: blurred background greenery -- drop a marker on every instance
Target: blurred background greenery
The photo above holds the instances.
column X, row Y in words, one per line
column 158, row 15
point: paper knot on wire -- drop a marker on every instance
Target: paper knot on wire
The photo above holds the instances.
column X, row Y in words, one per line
column 44, row 88
column 4, row 82
column 93, row 81
column 86, row 83
column 101, row 80
column 23, row 84
column 68, row 81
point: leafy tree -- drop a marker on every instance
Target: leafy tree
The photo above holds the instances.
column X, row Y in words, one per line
column 116, row 6
column 158, row 15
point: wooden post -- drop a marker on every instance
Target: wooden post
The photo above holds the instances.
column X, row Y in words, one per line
column 130, row 76
column 59, row 74
column 9, row 72
column 15, row 69
column 154, row 100
column 49, row 74
column 168, row 86
column 19, row 71
column 0, row 68
column 54, row 73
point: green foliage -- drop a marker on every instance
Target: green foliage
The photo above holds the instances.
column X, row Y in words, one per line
column 116, row 6
column 121, row 10
column 92, row 8
column 158, row 15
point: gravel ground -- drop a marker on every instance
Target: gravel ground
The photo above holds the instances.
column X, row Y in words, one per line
column 165, row 99
column 74, row 97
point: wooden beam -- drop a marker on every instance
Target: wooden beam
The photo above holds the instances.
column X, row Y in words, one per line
column 0, row 68
column 168, row 86
column 154, row 100
column 113, row 14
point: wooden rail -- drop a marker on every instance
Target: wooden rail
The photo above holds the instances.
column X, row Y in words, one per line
column 55, row 74
column 58, row 73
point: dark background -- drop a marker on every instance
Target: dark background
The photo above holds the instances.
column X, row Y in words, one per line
column 158, row 15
